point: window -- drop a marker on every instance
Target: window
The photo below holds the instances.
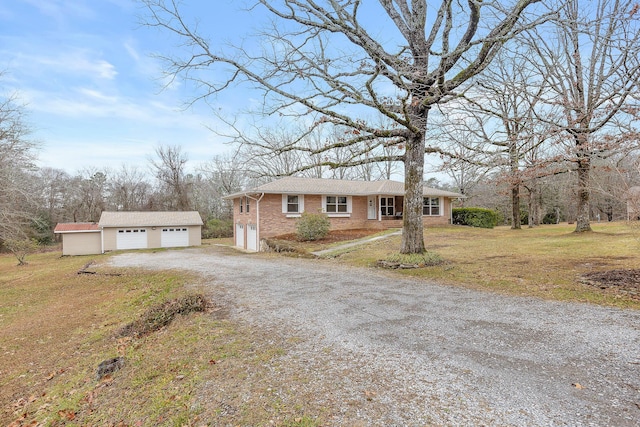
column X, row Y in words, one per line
column 387, row 206
column 431, row 206
column 247, row 200
column 241, row 204
column 336, row 204
column 293, row 204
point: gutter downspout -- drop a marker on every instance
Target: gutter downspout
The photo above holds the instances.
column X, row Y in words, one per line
column 102, row 239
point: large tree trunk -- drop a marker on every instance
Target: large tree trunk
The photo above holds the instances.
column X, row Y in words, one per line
column 582, row 218
column 412, row 228
column 516, row 220
column 533, row 207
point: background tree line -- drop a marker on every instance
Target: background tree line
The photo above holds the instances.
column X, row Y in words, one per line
column 530, row 108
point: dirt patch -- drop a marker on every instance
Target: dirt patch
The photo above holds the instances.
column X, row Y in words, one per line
column 333, row 236
column 622, row 282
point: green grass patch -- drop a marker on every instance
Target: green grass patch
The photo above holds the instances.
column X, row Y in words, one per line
column 424, row 259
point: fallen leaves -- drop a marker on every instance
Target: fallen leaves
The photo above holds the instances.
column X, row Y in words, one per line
column 67, row 414
column 54, row 374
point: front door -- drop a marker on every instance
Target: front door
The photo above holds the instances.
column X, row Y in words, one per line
column 371, row 207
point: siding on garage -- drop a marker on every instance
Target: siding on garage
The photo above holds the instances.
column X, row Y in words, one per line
column 87, row 243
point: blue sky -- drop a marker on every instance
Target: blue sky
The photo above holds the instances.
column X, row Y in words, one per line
column 91, row 87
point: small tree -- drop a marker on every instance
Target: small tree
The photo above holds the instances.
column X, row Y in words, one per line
column 21, row 248
column 312, row 226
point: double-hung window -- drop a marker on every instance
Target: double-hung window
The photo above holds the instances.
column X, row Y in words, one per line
column 337, row 204
column 293, row 204
column 431, row 206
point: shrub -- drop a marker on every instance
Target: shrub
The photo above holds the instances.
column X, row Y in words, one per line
column 20, row 248
column 215, row 228
column 312, row 227
column 475, row 217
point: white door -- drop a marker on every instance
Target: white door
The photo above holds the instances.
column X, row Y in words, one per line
column 172, row 237
column 371, row 207
column 131, row 238
column 240, row 235
column 252, row 237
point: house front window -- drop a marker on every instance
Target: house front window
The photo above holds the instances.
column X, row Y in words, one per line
column 337, row 204
column 387, row 206
column 293, row 204
column 431, row 206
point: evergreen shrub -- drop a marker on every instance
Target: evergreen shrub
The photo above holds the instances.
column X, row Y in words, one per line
column 312, row 226
column 475, row 217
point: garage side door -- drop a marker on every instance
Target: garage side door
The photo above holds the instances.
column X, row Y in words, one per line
column 174, row 237
column 240, row 235
column 252, row 234
column 131, row 238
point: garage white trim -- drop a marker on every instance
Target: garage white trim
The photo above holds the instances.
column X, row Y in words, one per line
column 131, row 238
column 252, row 237
column 174, row 237
column 240, row 235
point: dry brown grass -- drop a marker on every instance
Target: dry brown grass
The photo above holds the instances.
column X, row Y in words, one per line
column 56, row 326
column 546, row 261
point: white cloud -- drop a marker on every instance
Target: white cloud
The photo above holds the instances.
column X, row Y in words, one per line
column 62, row 10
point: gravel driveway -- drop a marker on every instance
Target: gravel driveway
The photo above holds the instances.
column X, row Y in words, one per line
column 425, row 354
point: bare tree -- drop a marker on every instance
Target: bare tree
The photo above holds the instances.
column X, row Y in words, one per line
column 169, row 169
column 497, row 129
column 326, row 58
column 86, row 196
column 590, row 61
column 17, row 154
column 129, row 189
column 221, row 176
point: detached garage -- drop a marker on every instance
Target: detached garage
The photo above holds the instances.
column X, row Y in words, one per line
column 132, row 230
column 143, row 230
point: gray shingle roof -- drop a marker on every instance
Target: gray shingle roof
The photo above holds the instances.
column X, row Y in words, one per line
column 297, row 185
column 142, row 219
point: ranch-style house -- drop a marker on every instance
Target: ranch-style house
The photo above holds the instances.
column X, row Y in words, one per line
column 272, row 209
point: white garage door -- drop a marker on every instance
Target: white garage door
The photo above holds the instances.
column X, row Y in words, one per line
column 131, row 238
column 240, row 235
column 252, row 233
column 174, row 237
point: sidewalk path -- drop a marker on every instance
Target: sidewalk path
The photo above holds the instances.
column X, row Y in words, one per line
column 325, row 252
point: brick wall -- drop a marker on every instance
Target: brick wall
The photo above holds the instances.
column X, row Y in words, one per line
column 274, row 222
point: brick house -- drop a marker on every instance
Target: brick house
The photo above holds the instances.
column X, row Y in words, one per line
column 272, row 209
